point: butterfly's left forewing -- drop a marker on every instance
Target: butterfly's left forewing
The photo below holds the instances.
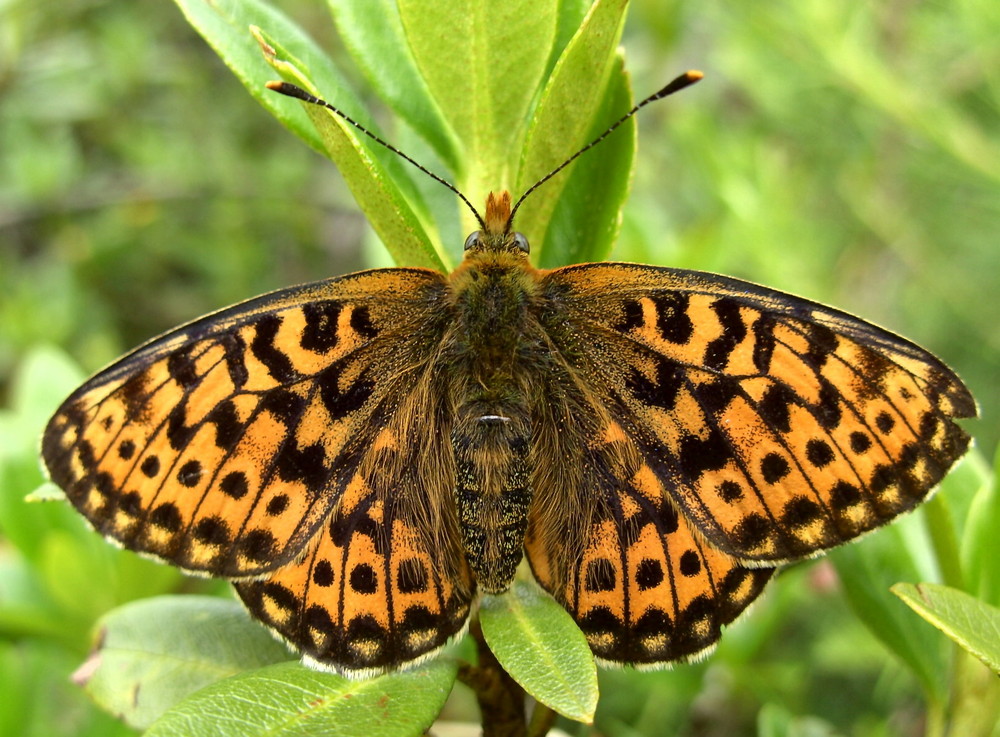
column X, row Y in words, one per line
column 222, row 446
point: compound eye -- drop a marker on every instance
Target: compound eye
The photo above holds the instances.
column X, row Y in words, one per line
column 472, row 240
column 522, row 242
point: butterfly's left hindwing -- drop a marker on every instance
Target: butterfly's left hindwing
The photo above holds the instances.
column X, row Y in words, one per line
column 222, row 446
column 778, row 427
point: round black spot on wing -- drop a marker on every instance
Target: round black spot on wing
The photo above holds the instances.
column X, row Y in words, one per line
column 801, row 511
column 234, row 485
column 126, row 449
column 322, row 573
column 277, row 505
column 364, row 580
column 819, row 453
column 752, row 531
column 844, row 495
column 690, row 563
column 150, row 466
column 212, row 531
column 130, row 503
column 600, row 575
column 649, row 574
column 860, row 443
column 166, row 516
column 189, row 474
column 258, row 546
column 774, row 467
column 884, row 422
column 730, row 491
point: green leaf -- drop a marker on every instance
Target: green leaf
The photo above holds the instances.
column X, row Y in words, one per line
column 980, row 562
column 973, row 624
column 587, row 218
column 540, row 646
column 485, row 78
column 565, row 114
column 374, row 175
column 375, row 179
column 225, row 26
column 290, row 700
column 867, row 570
column 153, row 653
column 373, row 32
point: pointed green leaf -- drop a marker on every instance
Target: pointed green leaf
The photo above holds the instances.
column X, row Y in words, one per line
column 483, row 63
column 375, row 176
column 973, row 624
column 540, row 646
column 376, row 183
column 290, row 700
column 587, row 218
column 225, row 26
column 373, row 33
column 565, row 114
column 153, row 653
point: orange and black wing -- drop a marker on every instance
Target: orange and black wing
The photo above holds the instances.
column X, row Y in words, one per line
column 221, row 447
column 769, row 426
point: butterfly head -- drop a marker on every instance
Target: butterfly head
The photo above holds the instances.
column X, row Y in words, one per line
column 496, row 235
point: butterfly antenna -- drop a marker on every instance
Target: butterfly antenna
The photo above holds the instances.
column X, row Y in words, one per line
column 298, row 93
column 685, row 80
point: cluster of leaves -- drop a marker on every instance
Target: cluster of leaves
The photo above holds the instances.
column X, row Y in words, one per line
column 471, row 82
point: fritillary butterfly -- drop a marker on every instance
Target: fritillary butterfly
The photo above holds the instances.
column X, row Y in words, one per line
column 363, row 454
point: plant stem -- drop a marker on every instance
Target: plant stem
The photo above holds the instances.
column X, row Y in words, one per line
column 501, row 699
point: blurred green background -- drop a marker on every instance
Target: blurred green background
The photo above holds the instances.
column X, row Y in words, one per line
column 847, row 152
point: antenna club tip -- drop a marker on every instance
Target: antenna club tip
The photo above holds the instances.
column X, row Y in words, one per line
column 694, row 75
column 274, row 85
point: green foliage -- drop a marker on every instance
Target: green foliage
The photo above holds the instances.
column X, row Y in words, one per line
column 290, row 700
column 538, row 643
column 841, row 151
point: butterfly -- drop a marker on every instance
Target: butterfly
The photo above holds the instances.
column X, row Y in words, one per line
column 362, row 456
